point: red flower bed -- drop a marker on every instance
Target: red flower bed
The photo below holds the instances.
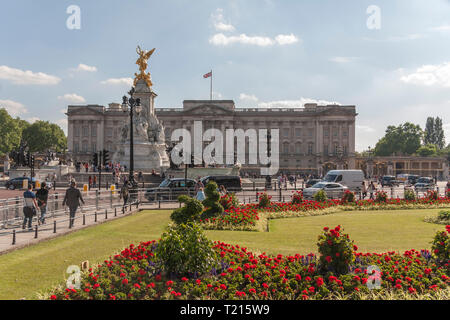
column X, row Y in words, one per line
column 241, row 274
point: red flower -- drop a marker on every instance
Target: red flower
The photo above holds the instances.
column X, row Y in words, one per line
column 311, row 289
column 319, row 282
column 184, row 279
column 169, row 283
column 158, row 277
column 328, row 258
column 125, row 281
column 53, row 297
column 223, row 287
column 298, row 277
column 151, row 285
column 136, row 285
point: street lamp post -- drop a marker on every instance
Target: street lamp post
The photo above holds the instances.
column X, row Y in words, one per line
column 131, row 105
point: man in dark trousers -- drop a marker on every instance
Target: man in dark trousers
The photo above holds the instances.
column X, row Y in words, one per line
column 72, row 200
column 29, row 207
column 124, row 193
column 42, row 196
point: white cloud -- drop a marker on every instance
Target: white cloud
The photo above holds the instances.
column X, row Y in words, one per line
column 283, row 39
column 342, row 59
column 413, row 36
column 118, row 81
column 366, row 129
column 14, row 108
column 84, row 67
column 219, row 22
column 248, row 97
column 219, row 39
column 443, row 28
column 430, row 75
column 21, row 77
column 72, row 97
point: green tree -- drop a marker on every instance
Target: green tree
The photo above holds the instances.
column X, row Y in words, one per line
column 427, row 150
column 439, row 133
column 10, row 133
column 403, row 139
column 42, row 135
column 429, row 136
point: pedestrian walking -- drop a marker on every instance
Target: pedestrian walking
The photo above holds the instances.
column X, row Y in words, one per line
column 371, row 190
column 200, row 194
column 72, row 200
column 222, row 190
column 42, row 197
column 29, row 208
column 124, row 193
column 364, row 190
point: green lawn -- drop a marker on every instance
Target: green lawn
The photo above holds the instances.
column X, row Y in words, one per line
column 26, row 271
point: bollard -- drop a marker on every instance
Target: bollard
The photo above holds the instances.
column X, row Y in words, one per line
column 115, row 212
column 130, row 207
column 179, row 204
column 36, row 232
column 159, row 204
column 95, row 216
column 106, row 214
column 84, row 219
column 14, row 237
column 54, row 226
column 253, row 185
column 123, row 209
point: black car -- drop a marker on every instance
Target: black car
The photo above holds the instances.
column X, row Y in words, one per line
column 312, row 182
column 389, row 181
column 412, row 179
column 17, row 183
column 170, row 189
column 231, row 183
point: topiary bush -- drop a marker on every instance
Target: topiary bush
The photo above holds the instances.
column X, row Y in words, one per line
column 348, row 197
column 229, row 201
column 184, row 249
column 190, row 212
column 441, row 246
column 320, row 196
column 336, row 251
column 212, row 205
column 297, row 197
column 264, row 200
column 410, row 195
column 444, row 215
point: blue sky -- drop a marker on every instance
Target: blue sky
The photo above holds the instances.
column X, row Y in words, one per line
column 262, row 52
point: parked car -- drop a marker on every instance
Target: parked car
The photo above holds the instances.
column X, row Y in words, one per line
column 389, row 181
column 17, row 183
column 312, row 182
column 427, row 180
column 352, row 179
column 423, row 186
column 412, row 179
column 170, row 189
column 332, row 189
column 231, row 183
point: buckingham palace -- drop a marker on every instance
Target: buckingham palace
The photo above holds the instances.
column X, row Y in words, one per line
column 313, row 139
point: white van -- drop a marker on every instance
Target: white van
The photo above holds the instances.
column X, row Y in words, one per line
column 352, row 179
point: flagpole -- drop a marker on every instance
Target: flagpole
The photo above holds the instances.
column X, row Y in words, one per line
column 210, row 94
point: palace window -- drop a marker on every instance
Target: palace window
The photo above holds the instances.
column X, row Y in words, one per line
column 77, row 131
column 76, row 147
column 94, row 130
column 325, row 149
column 326, row 132
column 286, row 132
column 85, row 131
column 84, row 146
column 298, row 148
column 286, row 148
column 310, row 148
column 298, row 132
column 94, row 147
column 109, row 132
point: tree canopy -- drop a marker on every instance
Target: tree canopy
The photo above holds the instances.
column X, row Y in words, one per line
column 434, row 133
column 10, row 133
column 40, row 135
column 404, row 139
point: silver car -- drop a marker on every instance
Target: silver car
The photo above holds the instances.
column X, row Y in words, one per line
column 332, row 189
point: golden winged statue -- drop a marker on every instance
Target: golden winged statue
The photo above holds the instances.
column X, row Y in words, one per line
column 142, row 63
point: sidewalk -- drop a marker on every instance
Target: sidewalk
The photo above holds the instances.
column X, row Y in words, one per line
column 24, row 238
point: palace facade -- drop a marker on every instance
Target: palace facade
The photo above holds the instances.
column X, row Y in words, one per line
column 313, row 139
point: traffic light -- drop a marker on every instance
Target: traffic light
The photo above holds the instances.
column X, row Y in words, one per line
column 105, row 157
column 95, row 159
column 32, row 161
column 27, row 159
column 192, row 162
